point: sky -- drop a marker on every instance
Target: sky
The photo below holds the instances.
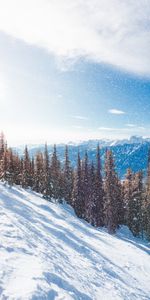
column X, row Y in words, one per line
column 74, row 70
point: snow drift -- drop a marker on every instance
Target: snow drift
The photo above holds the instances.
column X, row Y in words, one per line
column 46, row 252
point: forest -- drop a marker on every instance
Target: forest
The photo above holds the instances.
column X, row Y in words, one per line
column 102, row 200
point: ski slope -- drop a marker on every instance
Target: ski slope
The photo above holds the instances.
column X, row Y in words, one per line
column 46, row 252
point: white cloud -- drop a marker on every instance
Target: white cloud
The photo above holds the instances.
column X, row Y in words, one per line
column 130, row 125
column 105, row 31
column 131, row 129
column 116, row 111
column 108, row 128
column 80, row 118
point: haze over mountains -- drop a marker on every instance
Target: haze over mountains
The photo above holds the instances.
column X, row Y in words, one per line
column 128, row 153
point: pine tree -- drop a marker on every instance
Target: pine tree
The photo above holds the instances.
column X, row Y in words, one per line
column 77, row 200
column 2, row 145
column 148, row 174
column 135, row 206
column 92, row 212
column 17, row 171
column 85, row 188
column 128, row 191
column 56, row 176
column 3, row 150
column 26, row 176
column 4, row 166
column 67, row 178
column 120, row 202
column 38, row 185
column 32, row 172
column 110, row 204
column 10, row 168
column 47, row 192
column 146, row 205
column 147, row 219
column 99, row 193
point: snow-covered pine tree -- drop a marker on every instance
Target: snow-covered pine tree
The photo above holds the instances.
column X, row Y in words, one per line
column 4, row 166
column 3, row 156
column 32, row 171
column 17, row 169
column 110, row 203
column 148, row 174
column 2, row 145
column 47, row 191
column 26, row 176
column 10, row 168
column 135, row 221
column 86, row 189
column 67, row 178
column 146, row 206
column 38, row 185
column 56, row 176
column 92, row 196
column 99, row 192
column 127, row 193
column 120, row 201
column 147, row 218
column 77, row 200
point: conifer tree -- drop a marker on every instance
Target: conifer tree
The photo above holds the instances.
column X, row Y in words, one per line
column 135, row 206
column 77, row 200
column 86, row 183
column 2, row 145
column 146, row 206
column 67, row 178
column 148, row 174
column 147, row 220
column 26, row 176
column 47, row 192
column 56, row 176
column 128, row 192
column 99, row 193
column 32, row 171
column 4, row 165
column 86, row 192
column 120, row 202
column 17, row 169
column 92, row 212
column 10, row 168
column 110, row 204
column 38, row 185
column 3, row 149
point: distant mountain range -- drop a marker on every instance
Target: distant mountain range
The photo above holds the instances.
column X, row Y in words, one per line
column 130, row 153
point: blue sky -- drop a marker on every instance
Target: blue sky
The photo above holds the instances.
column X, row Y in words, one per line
column 72, row 80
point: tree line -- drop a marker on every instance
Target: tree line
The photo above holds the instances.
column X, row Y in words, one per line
column 100, row 200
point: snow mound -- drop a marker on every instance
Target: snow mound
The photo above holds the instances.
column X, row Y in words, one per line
column 46, row 252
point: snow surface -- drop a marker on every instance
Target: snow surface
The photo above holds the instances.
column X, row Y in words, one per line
column 46, row 252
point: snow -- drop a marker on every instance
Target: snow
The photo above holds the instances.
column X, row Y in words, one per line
column 46, row 252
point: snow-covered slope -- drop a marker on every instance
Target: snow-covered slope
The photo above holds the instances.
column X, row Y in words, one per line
column 46, row 252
